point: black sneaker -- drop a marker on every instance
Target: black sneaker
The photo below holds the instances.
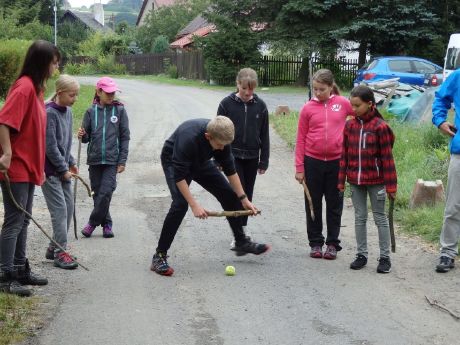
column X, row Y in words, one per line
column 250, row 247
column 359, row 262
column 160, row 265
column 26, row 277
column 9, row 284
column 384, row 265
column 445, row 264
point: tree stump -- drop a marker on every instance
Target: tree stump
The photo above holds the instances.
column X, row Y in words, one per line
column 427, row 193
column 282, row 109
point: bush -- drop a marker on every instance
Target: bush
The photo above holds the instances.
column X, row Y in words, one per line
column 172, row 72
column 12, row 53
column 103, row 65
column 160, row 45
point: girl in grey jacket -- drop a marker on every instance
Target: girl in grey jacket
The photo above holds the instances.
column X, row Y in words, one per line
column 59, row 167
column 106, row 130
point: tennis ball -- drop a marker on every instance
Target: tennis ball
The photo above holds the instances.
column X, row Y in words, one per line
column 230, row 270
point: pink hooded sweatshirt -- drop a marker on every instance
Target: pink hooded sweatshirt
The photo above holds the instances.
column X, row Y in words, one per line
column 320, row 129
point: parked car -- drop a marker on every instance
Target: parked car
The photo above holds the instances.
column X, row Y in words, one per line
column 409, row 70
column 434, row 79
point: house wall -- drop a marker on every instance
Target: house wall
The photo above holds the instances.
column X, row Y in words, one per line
column 98, row 12
column 148, row 7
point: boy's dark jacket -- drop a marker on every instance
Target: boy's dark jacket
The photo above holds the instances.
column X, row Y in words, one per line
column 188, row 149
column 367, row 156
column 107, row 131
column 251, row 130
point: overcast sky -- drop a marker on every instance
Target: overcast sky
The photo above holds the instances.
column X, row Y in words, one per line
column 87, row 3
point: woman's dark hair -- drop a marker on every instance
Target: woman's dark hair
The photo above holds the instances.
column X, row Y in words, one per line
column 37, row 63
column 364, row 93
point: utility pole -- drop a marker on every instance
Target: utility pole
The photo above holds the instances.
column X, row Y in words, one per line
column 55, row 23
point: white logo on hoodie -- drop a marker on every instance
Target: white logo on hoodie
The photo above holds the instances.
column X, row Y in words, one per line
column 336, row 107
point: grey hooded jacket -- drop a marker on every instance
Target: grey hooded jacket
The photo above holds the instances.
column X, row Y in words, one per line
column 107, row 132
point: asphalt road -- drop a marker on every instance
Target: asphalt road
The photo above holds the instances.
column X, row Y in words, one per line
column 283, row 297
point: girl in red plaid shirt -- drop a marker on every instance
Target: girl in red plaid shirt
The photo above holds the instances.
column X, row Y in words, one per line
column 367, row 164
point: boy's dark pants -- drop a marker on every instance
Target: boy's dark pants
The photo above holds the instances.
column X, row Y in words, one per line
column 209, row 177
column 247, row 172
column 13, row 237
column 103, row 183
column 321, row 179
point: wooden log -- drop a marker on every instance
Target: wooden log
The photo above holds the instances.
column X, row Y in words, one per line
column 282, row 109
column 426, row 193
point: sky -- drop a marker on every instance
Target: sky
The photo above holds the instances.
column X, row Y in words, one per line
column 87, row 3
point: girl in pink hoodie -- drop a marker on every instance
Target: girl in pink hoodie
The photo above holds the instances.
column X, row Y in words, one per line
column 317, row 156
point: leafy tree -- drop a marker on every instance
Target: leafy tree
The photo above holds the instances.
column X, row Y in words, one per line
column 234, row 44
column 69, row 37
column 160, row 45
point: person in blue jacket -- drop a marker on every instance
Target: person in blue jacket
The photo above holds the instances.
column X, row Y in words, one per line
column 450, row 93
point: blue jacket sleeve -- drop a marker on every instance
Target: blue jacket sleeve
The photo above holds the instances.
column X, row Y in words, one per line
column 443, row 99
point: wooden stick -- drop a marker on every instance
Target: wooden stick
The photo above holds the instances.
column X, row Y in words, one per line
column 75, row 193
column 310, row 203
column 88, row 188
column 435, row 303
column 231, row 213
column 392, row 226
column 19, row 207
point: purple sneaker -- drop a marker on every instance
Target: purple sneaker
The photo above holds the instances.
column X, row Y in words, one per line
column 107, row 231
column 88, row 230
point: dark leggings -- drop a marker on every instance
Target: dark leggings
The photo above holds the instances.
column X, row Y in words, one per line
column 247, row 172
column 321, row 179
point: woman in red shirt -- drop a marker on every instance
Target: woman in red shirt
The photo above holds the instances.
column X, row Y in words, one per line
column 22, row 142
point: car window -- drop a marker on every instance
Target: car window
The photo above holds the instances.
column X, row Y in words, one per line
column 423, row 67
column 453, row 58
column 370, row 65
column 400, row 66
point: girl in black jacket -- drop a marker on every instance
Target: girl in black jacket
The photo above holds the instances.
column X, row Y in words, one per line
column 249, row 114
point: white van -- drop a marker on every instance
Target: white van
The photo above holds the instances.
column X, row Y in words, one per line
column 452, row 59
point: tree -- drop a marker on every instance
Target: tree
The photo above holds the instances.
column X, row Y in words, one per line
column 160, row 45
column 234, row 44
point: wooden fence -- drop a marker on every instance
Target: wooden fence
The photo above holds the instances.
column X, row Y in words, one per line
column 190, row 65
column 271, row 70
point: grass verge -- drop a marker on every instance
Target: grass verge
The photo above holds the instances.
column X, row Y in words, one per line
column 420, row 151
column 18, row 318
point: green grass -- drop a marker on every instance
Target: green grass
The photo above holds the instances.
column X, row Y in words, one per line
column 420, row 151
column 17, row 318
column 84, row 101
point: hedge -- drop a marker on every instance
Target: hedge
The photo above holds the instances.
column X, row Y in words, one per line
column 12, row 53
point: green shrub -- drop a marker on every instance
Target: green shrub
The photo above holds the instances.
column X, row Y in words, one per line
column 108, row 65
column 72, row 68
column 172, row 72
column 160, row 45
column 12, row 53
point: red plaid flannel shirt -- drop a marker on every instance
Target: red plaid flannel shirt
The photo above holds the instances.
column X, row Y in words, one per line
column 367, row 157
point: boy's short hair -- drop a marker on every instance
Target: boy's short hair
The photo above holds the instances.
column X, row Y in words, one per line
column 222, row 129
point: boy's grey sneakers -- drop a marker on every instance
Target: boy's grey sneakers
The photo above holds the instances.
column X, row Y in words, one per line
column 445, row 264
column 384, row 265
column 359, row 262
column 249, row 247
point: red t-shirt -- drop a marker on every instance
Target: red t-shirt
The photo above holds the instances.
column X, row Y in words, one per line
column 24, row 112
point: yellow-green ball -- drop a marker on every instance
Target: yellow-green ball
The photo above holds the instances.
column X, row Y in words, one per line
column 230, row 270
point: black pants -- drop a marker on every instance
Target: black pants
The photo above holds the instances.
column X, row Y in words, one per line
column 321, row 179
column 211, row 179
column 103, row 183
column 247, row 172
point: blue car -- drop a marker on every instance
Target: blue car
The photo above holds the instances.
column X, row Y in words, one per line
column 409, row 70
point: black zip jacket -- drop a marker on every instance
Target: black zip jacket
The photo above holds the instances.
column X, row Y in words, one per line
column 252, row 138
column 188, row 149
